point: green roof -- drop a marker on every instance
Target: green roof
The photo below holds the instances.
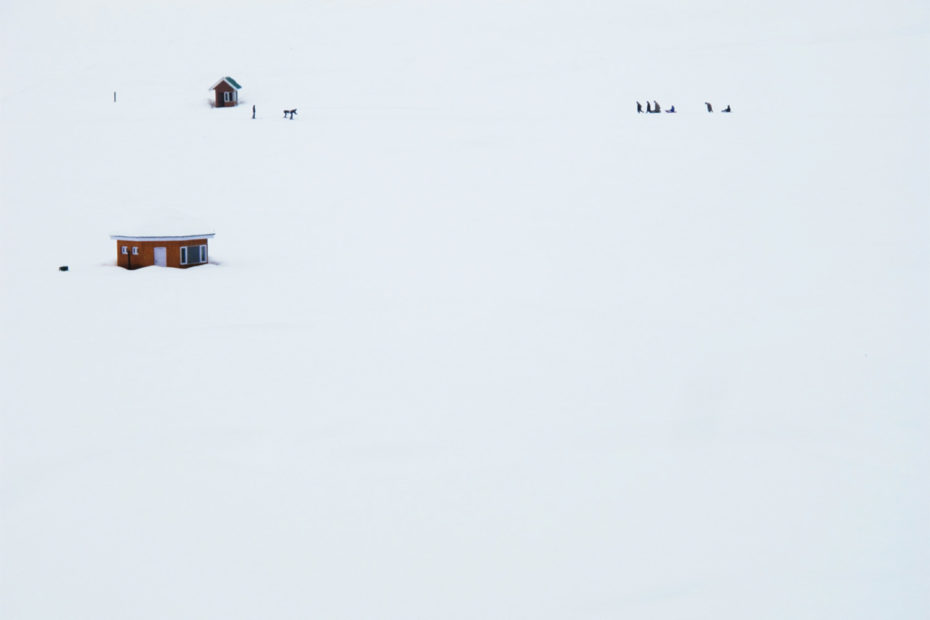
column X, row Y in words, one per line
column 233, row 82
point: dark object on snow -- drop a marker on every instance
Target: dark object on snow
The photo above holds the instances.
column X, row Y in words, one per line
column 648, row 107
column 253, row 112
column 710, row 108
column 671, row 110
column 63, row 268
column 727, row 109
column 655, row 107
column 290, row 113
column 639, row 108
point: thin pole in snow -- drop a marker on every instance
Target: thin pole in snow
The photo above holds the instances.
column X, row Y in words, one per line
column 114, row 96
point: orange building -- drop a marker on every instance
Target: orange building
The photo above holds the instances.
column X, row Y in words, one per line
column 167, row 242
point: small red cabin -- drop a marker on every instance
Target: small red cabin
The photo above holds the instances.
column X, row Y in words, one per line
column 172, row 242
column 226, row 92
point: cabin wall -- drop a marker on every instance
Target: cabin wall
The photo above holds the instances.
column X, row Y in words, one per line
column 225, row 88
column 146, row 256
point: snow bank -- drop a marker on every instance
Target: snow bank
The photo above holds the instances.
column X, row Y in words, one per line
column 481, row 341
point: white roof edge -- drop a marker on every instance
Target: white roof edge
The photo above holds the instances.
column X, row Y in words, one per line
column 220, row 82
column 161, row 237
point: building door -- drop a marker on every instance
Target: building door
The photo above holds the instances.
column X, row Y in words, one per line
column 161, row 257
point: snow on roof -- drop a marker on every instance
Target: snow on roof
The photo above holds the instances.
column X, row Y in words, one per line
column 164, row 224
column 229, row 81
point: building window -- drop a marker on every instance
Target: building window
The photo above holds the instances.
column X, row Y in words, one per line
column 193, row 254
column 226, row 97
column 124, row 250
column 135, row 251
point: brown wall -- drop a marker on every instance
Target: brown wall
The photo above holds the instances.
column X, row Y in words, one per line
column 146, row 257
column 219, row 90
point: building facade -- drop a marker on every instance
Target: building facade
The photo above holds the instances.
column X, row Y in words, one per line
column 169, row 251
column 226, row 92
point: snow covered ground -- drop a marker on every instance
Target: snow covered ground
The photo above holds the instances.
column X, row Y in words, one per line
column 478, row 341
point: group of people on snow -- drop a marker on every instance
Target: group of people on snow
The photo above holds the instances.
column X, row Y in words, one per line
column 710, row 108
column 653, row 107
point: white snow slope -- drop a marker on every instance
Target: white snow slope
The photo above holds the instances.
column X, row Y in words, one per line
column 478, row 341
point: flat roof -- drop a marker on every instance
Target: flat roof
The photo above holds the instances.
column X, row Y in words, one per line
column 161, row 237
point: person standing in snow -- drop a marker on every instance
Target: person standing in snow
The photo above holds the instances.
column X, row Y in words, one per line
column 639, row 108
column 655, row 107
column 709, row 107
column 253, row 112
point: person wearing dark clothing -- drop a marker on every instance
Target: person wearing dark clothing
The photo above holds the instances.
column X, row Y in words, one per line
column 639, row 108
column 727, row 109
column 655, row 106
column 710, row 108
column 253, row 112
column 671, row 110
column 648, row 107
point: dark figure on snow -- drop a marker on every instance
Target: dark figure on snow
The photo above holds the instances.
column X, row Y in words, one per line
column 655, row 107
column 727, row 109
column 639, row 108
column 290, row 113
column 671, row 110
column 253, row 112
column 648, row 107
column 710, row 108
